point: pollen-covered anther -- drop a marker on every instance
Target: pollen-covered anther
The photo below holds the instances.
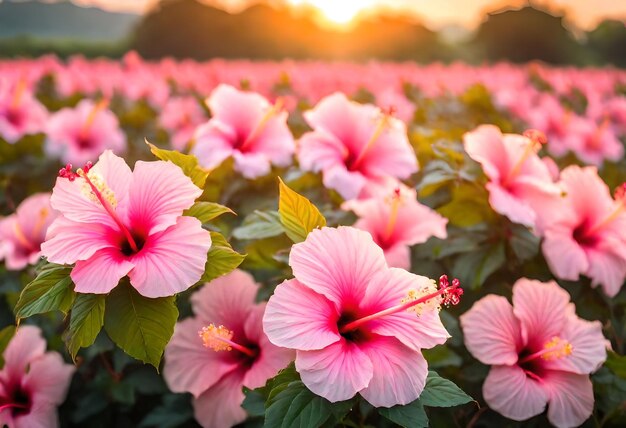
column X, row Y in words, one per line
column 216, row 337
column 556, row 348
column 98, row 182
column 432, row 304
column 451, row 292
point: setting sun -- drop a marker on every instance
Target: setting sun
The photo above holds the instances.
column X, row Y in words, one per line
column 336, row 12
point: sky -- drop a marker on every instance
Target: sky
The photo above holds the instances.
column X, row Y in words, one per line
column 584, row 14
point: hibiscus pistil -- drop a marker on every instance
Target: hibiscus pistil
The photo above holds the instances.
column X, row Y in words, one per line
column 260, row 126
column 536, row 140
column 219, row 338
column 554, row 349
column 97, row 108
column 382, row 124
column 396, row 201
column 620, row 198
column 100, row 192
column 429, row 298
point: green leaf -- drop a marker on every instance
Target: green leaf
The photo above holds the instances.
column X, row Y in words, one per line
column 207, row 211
column 296, row 406
column 524, row 243
column 221, row 258
column 440, row 392
column 259, row 225
column 188, row 163
column 52, row 290
column 297, row 214
column 469, row 206
column 86, row 320
column 410, row 416
column 616, row 363
column 142, row 327
column 254, row 403
column 6, row 334
column 474, row 268
column 442, row 356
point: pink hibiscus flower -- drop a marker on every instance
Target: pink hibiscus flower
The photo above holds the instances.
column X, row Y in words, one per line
column 353, row 322
column 115, row 222
column 396, row 222
column 519, row 182
column 593, row 143
column 354, row 144
column 586, row 233
column 82, row 133
column 248, row 128
column 20, row 112
column 22, row 233
column 33, row 382
column 540, row 352
column 181, row 116
column 231, row 352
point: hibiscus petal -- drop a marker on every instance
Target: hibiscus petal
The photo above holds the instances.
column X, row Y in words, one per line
column 349, row 184
column 69, row 241
column 213, row 143
column 227, row 300
column 571, row 398
column 508, row 391
column 337, row 263
column 189, row 365
column 24, row 347
column 297, row 317
column 101, row 272
column 252, row 165
column 491, row 331
column 485, row 145
column 159, row 194
column 49, row 378
column 320, row 150
column 606, row 269
column 541, row 309
column 588, row 346
column 566, row 258
column 220, row 406
column 271, row 358
column 42, row 415
column 336, row 372
column 399, row 373
column 171, row 261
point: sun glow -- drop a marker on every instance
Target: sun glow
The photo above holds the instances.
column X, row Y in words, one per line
column 337, row 12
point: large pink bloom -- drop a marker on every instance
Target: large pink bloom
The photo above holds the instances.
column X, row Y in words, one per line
column 586, row 233
column 397, row 221
column 353, row 144
column 20, row 112
column 353, row 320
column 248, row 128
column 593, row 143
column 116, row 222
column 79, row 134
column 22, row 233
column 33, row 382
column 519, row 182
column 220, row 350
column 539, row 350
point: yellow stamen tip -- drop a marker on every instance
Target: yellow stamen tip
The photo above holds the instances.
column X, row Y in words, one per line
column 433, row 304
column 216, row 337
column 556, row 348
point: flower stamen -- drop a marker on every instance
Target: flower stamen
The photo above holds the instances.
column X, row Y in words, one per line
column 100, row 106
column 382, row 124
column 273, row 111
column 447, row 294
column 20, row 89
column 536, row 140
column 620, row 206
column 219, row 338
column 396, row 201
column 554, row 349
column 98, row 191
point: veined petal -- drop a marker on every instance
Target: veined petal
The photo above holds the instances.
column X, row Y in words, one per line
column 571, row 398
column 492, row 332
column 220, row 406
column 299, row 318
column 399, row 373
column 336, row 372
column 171, row 261
column 159, row 194
column 100, row 273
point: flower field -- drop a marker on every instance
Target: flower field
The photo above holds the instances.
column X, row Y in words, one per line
column 311, row 244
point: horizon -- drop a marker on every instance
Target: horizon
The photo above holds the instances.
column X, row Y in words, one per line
column 580, row 14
